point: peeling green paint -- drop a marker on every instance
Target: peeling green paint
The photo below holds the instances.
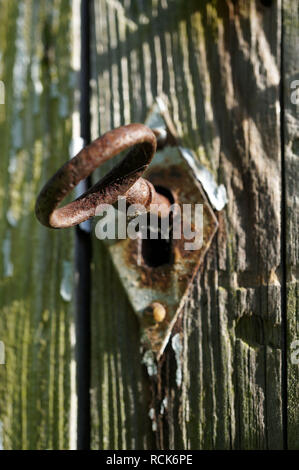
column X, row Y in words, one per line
column 34, row 140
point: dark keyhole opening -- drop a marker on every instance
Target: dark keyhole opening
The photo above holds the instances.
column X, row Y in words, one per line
column 266, row 3
column 158, row 252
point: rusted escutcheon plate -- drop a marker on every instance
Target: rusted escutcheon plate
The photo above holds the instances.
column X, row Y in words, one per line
column 167, row 284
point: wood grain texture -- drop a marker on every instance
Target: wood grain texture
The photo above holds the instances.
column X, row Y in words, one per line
column 220, row 386
column 290, row 71
column 36, row 264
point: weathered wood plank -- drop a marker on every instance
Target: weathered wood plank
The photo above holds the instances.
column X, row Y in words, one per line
column 219, row 65
column 291, row 149
column 36, row 265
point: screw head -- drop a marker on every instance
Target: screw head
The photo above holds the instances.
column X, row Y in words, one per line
column 158, row 312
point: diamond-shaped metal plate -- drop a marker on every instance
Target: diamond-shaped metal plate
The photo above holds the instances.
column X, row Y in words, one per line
column 167, row 284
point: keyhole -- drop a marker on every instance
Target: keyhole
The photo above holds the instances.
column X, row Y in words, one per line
column 158, row 252
column 266, row 3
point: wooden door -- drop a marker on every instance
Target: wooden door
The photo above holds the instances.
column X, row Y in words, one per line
column 225, row 68
column 229, row 72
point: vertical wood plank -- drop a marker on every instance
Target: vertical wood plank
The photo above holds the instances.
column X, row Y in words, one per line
column 218, row 63
column 36, row 264
column 291, row 148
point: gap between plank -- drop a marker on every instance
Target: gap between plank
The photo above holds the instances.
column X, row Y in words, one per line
column 83, row 250
column 284, row 371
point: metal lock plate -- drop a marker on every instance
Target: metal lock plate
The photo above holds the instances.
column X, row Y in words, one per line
column 168, row 283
